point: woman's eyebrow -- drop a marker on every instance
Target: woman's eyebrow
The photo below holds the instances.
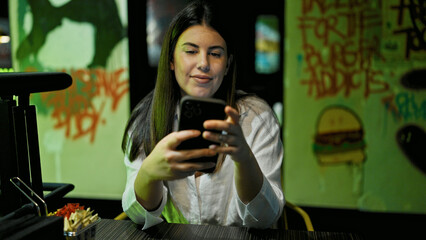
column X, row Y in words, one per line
column 190, row 44
column 196, row 46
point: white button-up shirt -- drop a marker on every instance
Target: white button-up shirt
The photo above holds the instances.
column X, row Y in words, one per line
column 213, row 198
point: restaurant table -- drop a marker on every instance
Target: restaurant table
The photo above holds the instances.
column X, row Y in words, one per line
column 126, row 229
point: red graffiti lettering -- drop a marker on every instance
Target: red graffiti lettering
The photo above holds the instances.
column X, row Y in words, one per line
column 339, row 48
column 112, row 85
column 326, row 5
column 87, row 122
column 75, row 108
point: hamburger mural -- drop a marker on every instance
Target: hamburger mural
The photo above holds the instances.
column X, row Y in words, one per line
column 339, row 137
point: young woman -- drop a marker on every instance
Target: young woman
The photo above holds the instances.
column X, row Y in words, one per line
column 197, row 59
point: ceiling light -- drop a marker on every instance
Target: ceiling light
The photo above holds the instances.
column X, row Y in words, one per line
column 4, row 39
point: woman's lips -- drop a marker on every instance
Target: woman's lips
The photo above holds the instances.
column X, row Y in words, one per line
column 201, row 78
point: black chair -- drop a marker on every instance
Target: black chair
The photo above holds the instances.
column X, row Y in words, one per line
column 19, row 148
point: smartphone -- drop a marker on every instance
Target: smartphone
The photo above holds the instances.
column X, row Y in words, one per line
column 193, row 112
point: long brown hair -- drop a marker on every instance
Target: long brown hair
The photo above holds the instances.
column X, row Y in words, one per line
column 152, row 119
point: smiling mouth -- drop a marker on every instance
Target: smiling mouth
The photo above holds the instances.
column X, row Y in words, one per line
column 201, row 78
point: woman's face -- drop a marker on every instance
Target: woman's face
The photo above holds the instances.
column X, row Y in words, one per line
column 200, row 61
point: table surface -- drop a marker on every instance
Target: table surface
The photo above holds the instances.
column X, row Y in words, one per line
column 126, row 229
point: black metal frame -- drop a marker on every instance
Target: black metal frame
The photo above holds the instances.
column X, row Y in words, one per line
column 8, row 162
column 19, row 146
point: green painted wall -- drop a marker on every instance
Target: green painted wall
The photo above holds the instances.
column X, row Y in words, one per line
column 343, row 64
column 353, row 55
column 80, row 128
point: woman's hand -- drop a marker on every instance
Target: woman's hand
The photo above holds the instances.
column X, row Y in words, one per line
column 167, row 163
column 233, row 142
column 248, row 176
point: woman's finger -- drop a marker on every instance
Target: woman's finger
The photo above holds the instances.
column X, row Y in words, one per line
column 228, row 125
column 183, row 155
column 233, row 115
column 191, row 167
column 220, row 137
column 176, row 138
column 218, row 125
column 224, row 149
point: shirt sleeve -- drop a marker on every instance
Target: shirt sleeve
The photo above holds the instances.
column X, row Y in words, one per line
column 265, row 142
column 133, row 209
column 264, row 210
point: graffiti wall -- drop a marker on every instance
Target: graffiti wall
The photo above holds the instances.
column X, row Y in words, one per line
column 80, row 128
column 355, row 104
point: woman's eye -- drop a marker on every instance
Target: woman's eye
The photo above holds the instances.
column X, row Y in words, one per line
column 214, row 54
column 190, row 51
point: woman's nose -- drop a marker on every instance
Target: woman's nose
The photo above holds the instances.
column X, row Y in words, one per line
column 203, row 62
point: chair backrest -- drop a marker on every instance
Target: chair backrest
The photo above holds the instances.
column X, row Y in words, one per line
column 301, row 212
column 121, row 216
